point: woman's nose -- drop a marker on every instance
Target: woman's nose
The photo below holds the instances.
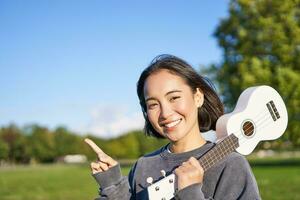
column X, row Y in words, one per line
column 165, row 111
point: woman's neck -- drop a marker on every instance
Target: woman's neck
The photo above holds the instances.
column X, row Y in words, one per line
column 188, row 143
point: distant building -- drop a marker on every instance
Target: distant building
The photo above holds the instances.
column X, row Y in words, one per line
column 73, row 159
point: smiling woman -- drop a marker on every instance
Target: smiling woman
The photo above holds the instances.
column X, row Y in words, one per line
column 178, row 104
column 172, row 107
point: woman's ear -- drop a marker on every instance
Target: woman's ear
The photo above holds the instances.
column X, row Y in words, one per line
column 199, row 98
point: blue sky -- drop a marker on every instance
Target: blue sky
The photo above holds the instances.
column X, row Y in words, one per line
column 76, row 63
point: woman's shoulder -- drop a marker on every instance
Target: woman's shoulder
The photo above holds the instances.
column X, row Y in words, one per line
column 236, row 161
column 147, row 160
column 232, row 162
column 236, row 157
column 233, row 166
column 156, row 154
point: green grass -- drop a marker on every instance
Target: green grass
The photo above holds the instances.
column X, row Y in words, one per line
column 61, row 182
column 278, row 182
column 47, row 182
column 277, row 178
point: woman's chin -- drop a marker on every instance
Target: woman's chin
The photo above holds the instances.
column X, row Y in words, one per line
column 172, row 137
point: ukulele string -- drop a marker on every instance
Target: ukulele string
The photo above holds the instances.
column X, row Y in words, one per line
column 261, row 118
column 259, row 124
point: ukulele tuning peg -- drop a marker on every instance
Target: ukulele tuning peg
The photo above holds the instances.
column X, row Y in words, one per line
column 163, row 173
column 149, row 180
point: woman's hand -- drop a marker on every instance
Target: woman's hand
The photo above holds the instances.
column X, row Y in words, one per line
column 104, row 161
column 189, row 172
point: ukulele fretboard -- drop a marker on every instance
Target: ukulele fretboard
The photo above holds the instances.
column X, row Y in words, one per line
column 218, row 152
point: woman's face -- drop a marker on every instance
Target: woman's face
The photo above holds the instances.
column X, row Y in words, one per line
column 172, row 107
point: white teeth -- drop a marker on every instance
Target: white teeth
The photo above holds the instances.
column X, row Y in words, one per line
column 173, row 123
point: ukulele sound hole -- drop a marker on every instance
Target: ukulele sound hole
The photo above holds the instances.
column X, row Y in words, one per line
column 248, row 128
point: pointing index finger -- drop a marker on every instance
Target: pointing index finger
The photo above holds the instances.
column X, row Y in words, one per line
column 95, row 148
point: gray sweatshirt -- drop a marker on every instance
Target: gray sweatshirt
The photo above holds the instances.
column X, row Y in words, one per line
column 231, row 178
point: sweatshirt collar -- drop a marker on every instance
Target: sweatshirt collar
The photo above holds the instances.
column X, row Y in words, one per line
column 181, row 157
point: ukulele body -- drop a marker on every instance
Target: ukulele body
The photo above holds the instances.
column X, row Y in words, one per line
column 260, row 114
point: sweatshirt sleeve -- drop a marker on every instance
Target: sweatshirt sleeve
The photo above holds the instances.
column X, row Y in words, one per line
column 113, row 185
column 190, row 192
column 237, row 180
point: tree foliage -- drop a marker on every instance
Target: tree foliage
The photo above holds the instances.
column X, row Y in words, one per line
column 42, row 144
column 3, row 150
column 261, row 46
column 15, row 144
column 39, row 144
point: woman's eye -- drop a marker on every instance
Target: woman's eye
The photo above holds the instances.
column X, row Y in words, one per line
column 174, row 98
column 152, row 106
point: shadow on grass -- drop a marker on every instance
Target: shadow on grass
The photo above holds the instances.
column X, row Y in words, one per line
column 278, row 162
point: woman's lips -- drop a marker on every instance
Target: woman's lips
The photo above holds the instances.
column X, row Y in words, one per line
column 172, row 125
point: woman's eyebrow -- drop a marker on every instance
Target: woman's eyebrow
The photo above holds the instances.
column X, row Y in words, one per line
column 168, row 93
column 172, row 91
column 149, row 99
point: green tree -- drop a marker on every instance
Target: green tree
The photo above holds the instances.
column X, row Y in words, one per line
column 66, row 142
column 148, row 144
column 261, row 45
column 3, row 150
column 18, row 148
column 42, row 144
column 124, row 146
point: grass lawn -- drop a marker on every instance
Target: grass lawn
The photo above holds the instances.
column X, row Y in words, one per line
column 47, row 182
column 278, row 183
column 277, row 179
column 61, row 182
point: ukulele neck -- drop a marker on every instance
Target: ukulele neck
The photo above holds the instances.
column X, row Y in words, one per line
column 219, row 151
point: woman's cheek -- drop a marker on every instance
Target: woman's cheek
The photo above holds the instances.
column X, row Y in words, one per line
column 153, row 119
column 182, row 108
column 187, row 106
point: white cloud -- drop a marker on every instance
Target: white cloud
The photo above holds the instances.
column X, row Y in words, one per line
column 111, row 121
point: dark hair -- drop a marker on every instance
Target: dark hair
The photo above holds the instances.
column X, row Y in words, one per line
column 212, row 107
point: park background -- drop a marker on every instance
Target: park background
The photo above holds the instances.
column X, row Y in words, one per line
column 69, row 68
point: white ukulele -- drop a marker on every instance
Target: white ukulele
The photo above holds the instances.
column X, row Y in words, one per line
column 260, row 114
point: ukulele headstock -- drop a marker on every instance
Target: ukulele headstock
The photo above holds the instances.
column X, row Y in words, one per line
column 163, row 189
